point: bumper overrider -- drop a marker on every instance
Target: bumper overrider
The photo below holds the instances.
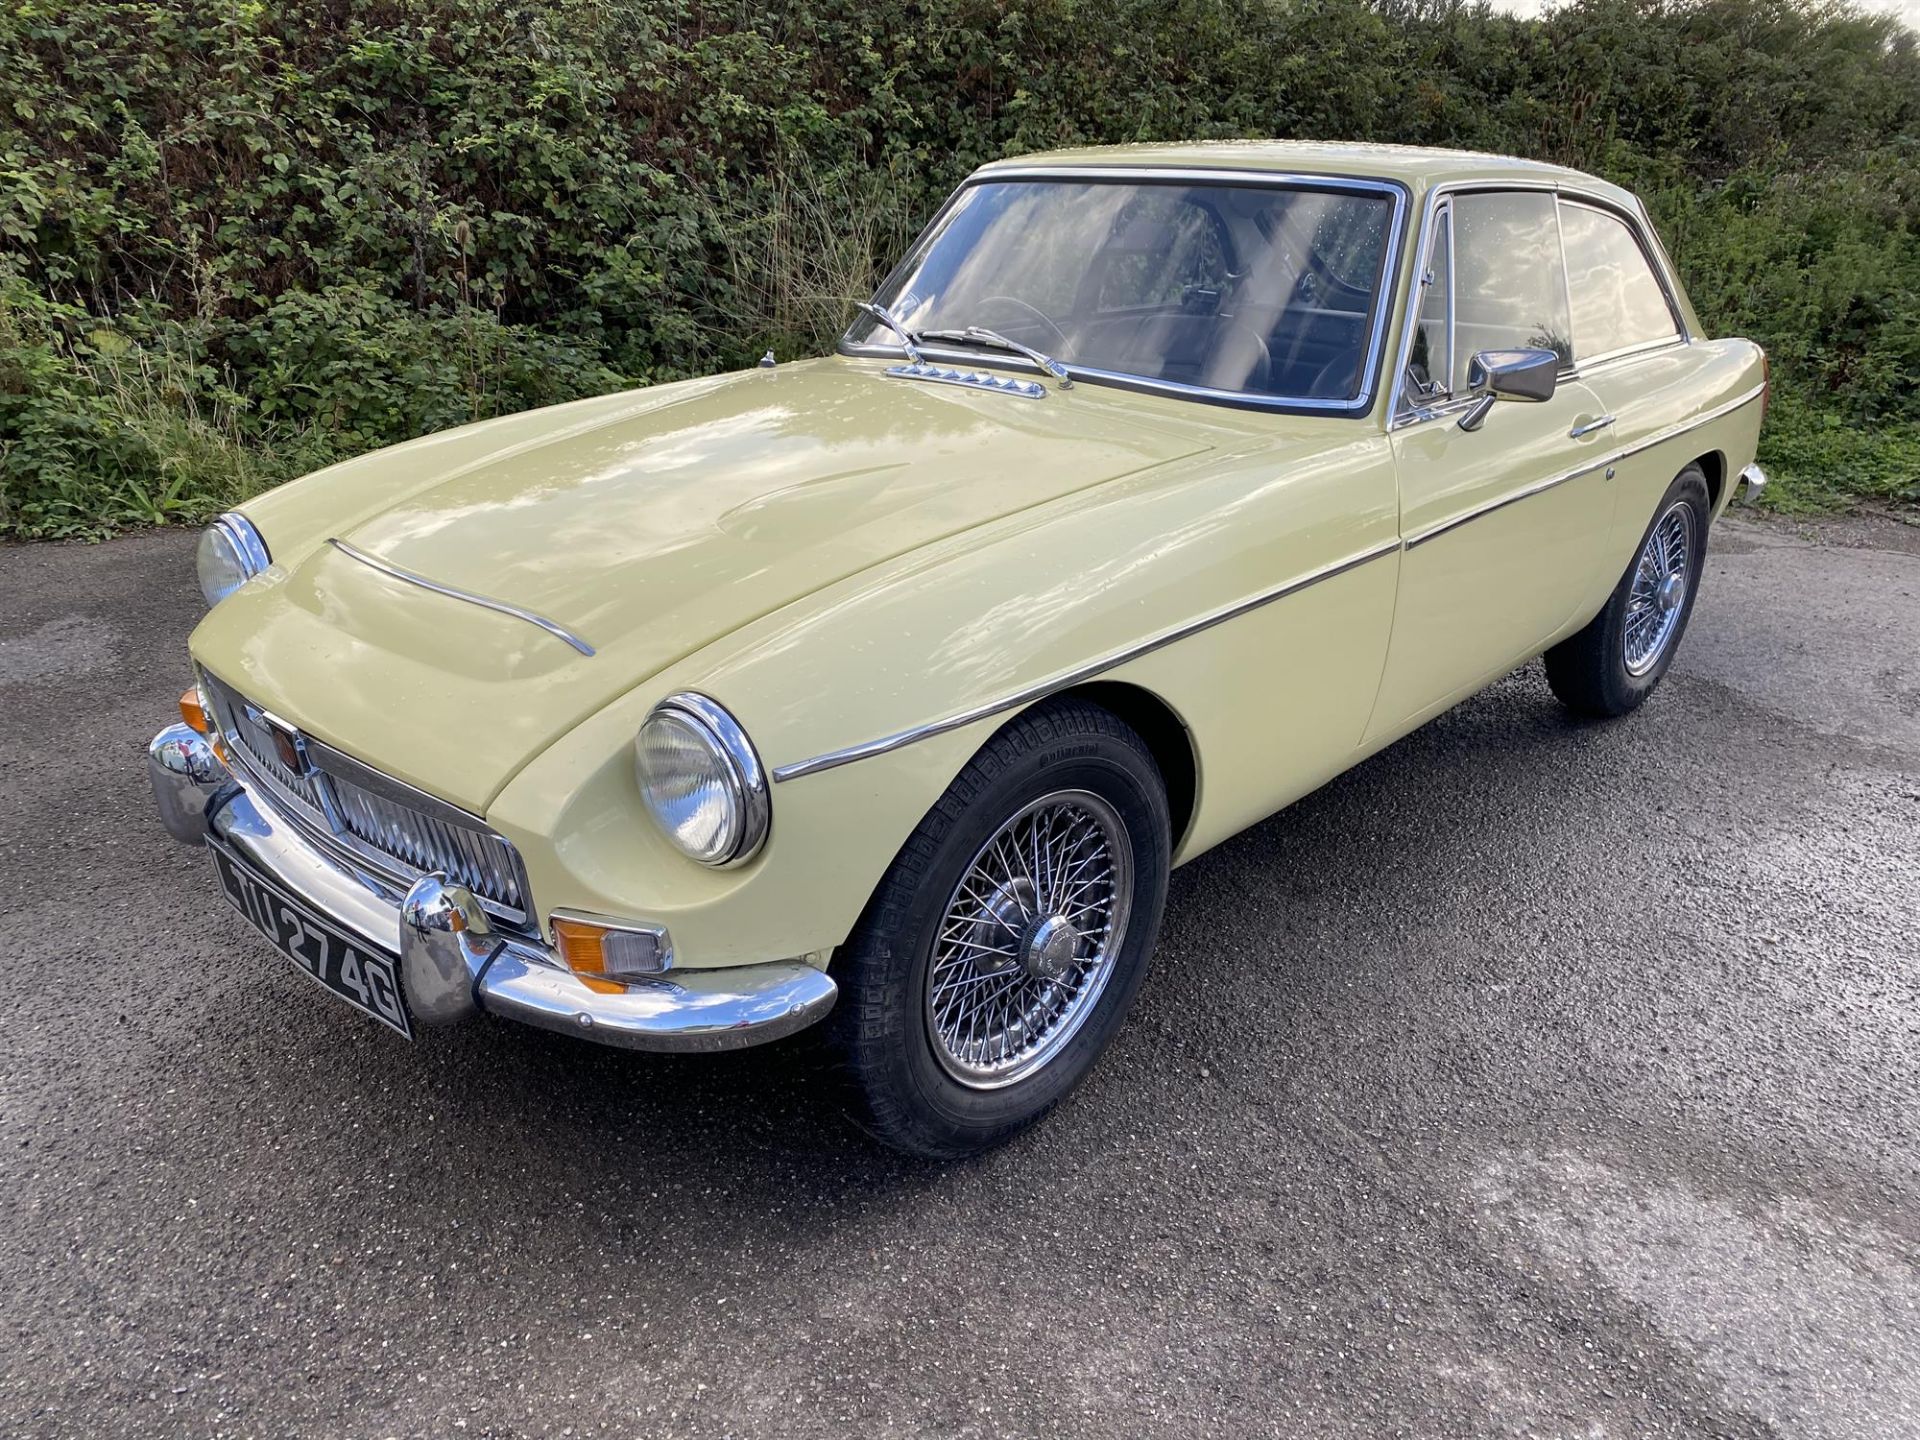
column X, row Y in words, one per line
column 453, row 962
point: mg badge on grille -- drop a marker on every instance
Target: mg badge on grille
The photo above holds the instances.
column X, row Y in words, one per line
column 286, row 744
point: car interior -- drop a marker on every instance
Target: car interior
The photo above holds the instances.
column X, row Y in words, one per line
column 1265, row 291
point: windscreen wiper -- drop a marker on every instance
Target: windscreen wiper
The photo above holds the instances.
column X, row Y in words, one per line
column 980, row 335
column 886, row 317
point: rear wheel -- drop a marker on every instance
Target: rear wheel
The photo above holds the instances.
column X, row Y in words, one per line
column 1613, row 664
column 1004, row 945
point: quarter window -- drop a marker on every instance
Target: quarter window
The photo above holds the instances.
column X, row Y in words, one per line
column 1430, row 361
column 1617, row 301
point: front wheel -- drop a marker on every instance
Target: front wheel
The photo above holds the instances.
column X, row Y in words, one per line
column 1613, row 664
column 1004, row 945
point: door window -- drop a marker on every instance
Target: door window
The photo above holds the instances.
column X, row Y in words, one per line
column 1617, row 301
column 1510, row 290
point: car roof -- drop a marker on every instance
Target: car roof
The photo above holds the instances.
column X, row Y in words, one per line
column 1418, row 167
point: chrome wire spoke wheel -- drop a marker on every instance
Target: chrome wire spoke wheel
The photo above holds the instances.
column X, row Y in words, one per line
column 1028, row 939
column 1661, row 578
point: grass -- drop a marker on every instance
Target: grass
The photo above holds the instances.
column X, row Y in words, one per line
column 1818, row 464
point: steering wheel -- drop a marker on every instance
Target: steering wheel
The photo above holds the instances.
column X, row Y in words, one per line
column 1259, row 376
column 1335, row 378
column 1033, row 310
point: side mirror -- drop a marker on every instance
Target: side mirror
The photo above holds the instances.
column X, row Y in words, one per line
column 1508, row 375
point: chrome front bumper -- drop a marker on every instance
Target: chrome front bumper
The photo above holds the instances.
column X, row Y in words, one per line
column 452, row 964
column 1753, row 480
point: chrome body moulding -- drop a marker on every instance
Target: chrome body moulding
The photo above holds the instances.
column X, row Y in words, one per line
column 1603, row 462
column 1033, row 693
column 1040, row 691
column 453, row 964
column 452, row 592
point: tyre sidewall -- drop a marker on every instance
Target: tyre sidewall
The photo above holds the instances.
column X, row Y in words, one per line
column 1625, row 688
column 957, row 1117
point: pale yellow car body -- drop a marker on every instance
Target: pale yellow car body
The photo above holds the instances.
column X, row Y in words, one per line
column 842, row 557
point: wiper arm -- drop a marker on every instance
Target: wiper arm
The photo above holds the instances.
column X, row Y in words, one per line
column 980, row 335
column 886, row 317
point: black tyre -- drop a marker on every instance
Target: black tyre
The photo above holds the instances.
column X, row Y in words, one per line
column 1614, row 663
column 1006, row 942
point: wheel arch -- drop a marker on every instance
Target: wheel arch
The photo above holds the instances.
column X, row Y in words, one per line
column 1166, row 736
column 1713, row 465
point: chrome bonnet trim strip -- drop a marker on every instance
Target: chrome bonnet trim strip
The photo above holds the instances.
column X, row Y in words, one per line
column 1672, row 432
column 834, row 758
column 500, row 606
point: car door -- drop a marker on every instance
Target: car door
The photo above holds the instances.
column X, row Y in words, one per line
column 1504, row 525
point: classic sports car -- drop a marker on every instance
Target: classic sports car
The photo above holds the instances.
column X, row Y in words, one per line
column 1157, row 486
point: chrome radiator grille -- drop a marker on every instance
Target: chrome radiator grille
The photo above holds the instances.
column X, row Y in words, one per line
column 245, row 727
column 372, row 820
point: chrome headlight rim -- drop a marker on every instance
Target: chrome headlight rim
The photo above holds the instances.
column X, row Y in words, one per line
column 747, row 778
column 244, row 547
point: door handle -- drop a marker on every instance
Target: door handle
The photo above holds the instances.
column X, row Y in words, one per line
column 1588, row 427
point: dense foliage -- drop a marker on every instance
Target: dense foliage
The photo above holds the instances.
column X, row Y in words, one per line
column 239, row 239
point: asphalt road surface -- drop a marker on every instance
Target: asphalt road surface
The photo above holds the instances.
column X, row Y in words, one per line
column 1535, row 1078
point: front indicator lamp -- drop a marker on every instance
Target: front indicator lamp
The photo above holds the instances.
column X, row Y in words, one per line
column 194, row 710
column 607, row 954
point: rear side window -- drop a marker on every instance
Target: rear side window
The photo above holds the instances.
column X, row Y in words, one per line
column 1617, row 300
column 1509, row 285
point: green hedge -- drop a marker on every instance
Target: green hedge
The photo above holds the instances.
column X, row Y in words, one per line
column 242, row 239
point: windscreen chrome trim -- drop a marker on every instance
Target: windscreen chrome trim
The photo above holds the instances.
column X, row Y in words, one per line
column 1363, row 403
column 453, row 592
column 833, row 758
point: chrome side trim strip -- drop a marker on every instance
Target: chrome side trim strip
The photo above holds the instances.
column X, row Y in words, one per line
column 834, row 758
column 1672, row 432
column 452, row 592
column 1539, row 487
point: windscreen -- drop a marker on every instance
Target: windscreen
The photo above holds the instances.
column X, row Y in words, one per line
column 1264, row 291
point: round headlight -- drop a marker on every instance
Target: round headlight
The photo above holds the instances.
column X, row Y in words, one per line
column 231, row 553
column 701, row 781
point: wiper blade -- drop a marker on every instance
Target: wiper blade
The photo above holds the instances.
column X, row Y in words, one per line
column 907, row 337
column 980, row 335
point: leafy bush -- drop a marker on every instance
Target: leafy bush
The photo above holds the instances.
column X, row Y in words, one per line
column 238, row 240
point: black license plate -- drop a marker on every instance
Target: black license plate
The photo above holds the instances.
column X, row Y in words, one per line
column 359, row 974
